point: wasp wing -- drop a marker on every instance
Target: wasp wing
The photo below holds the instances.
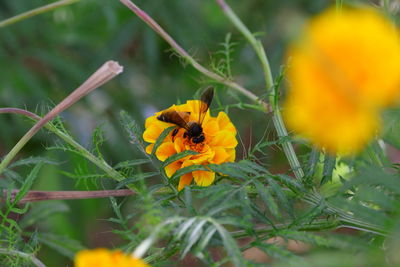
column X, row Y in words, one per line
column 179, row 118
column 205, row 102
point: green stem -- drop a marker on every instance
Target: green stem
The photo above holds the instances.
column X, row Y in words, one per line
column 30, row 257
column 36, row 11
column 101, row 164
column 269, row 84
column 189, row 59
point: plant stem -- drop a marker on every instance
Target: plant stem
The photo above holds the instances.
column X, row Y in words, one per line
column 32, row 196
column 36, row 11
column 185, row 55
column 101, row 164
column 105, row 73
column 269, row 84
column 30, row 257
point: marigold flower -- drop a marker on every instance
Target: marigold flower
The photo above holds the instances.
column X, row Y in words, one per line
column 218, row 146
column 342, row 72
column 102, row 257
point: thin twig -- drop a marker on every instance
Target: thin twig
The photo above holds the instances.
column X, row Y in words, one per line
column 27, row 256
column 33, row 196
column 105, row 73
column 185, row 55
column 36, row 11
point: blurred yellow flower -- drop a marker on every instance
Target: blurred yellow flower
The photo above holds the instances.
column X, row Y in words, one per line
column 218, row 146
column 343, row 71
column 102, row 257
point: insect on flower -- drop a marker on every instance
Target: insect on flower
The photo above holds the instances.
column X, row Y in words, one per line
column 194, row 129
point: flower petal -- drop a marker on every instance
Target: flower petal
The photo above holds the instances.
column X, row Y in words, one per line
column 220, row 155
column 203, row 178
column 225, row 139
column 225, row 123
column 165, row 150
column 170, row 169
column 186, row 179
column 149, row 148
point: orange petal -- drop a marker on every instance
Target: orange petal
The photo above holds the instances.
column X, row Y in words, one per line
column 232, row 154
column 165, row 150
column 186, row 179
column 149, row 148
column 170, row 169
column 211, row 127
column 179, row 145
column 225, row 123
column 151, row 133
column 225, row 139
column 203, row 178
column 220, row 155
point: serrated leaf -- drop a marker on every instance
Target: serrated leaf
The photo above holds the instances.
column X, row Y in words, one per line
column 185, row 226
column 188, row 169
column 193, row 236
column 266, row 196
column 230, row 245
column 33, row 161
column 64, row 245
column 131, row 163
column 178, row 156
column 329, row 166
column 27, row 183
column 135, row 178
column 41, row 211
column 206, row 237
column 230, row 169
column 161, row 138
column 280, row 195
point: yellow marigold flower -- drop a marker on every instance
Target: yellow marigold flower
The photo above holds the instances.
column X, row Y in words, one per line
column 342, row 71
column 218, row 146
column 102, row 257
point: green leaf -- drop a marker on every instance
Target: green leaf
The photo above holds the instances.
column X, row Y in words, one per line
column 231, row 169
column 42, row 211
column 178, row 156
column 329, row 166
column 28, row 183
column 188, row 169
column 266, row 196
column 131, row 163
column 230, row 245
column 161, row 138
column 135, row 178
column 193, row 236
column 281, row 196
column 62, row 244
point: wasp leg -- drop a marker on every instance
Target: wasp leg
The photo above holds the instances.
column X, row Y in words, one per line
column 185, row 135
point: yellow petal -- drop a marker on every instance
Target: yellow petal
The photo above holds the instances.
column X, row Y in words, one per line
column 220, row 155
column 170, row 169
column 149, row 148
column 185, row 179
column 210, row 128
column 151, row 133
column 225, row 123
column 165, row 150
column 225, row 139
column 232, row 154
column 203, row 178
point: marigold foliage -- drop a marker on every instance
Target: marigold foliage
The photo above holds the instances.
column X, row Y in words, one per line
column 218, row 147
column 343, row 70
column 102, row 257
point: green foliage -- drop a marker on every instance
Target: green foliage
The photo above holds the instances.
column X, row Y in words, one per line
column 255, row 202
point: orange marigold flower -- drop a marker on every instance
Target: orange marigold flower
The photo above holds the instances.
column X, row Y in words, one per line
column 102, row 257
column 218, row 146
column 342, row 72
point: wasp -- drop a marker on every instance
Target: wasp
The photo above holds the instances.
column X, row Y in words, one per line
column 194, row 130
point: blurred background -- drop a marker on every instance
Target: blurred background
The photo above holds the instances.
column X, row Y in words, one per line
column 44, row 58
